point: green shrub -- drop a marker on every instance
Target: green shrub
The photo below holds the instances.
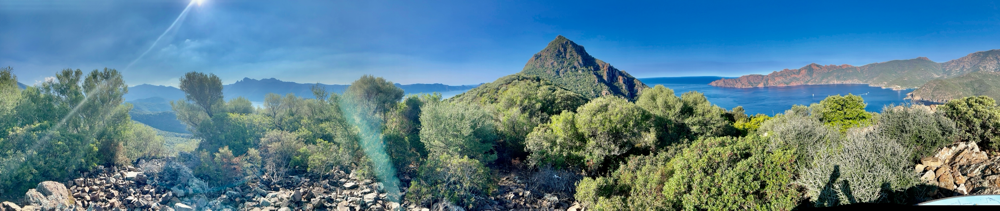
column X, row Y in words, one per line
column 796, row 131
column 703, row 118
column 864, row 168
column 844, row 112
column 460, row 180
column 750, row 125
column 720, row 173
column 221, row 168
column 459, row 130
column 732, row 173
column 977, row 117
column 917, row 128
column 557, row 143
column 283, row 151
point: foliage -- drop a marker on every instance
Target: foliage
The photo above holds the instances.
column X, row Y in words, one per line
column 240, row 105
column 844, row 112
column 70, row 123
column 721, row 173
column 222, row 168
column 727, row 173
column 917, row 128
column 458, row 129
column 703, row 118
column 521, row 103
column 796, row 131
column 978, row 118
column 204, row 90
column 751, row 124
column 612, row 127
column 865, row 168
column 557, row 143
column 461, row 180
column 665, row 108
column 280, row 151
column 380, row 94
column 568, row 65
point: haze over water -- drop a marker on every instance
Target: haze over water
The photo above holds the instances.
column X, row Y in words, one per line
column 774, row 100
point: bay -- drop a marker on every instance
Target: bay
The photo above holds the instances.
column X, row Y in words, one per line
column 774, row 100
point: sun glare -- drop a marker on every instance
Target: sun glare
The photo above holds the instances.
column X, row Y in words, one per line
column 199, row 2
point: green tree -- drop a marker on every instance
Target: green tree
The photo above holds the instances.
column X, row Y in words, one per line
column 240, row 105
column 461, row 180
column 458, row 129
column 613, row 127
column 844, row 112
column 376, row 94
column 204, row 90
column 977, row 117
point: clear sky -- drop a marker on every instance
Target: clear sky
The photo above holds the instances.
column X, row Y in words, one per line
column 471, row 42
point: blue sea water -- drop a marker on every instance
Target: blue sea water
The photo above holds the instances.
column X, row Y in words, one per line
column 773, row 100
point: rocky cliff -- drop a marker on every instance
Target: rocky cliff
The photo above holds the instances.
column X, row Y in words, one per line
column 567, row 64
column 896, row 74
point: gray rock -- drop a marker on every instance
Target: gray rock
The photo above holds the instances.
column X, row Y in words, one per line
column 182, row 207
column 297, row 196
column 285, row 209
column 49, row 195
column 10, row 206
column 350, row 185
column 265, row 203
column 131, row 175
column 370, row 198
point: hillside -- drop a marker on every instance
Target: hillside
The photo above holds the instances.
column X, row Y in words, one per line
column 896, row 74
column 20, row 85
column 567, row 64
column 255, row 90
column 971, row 84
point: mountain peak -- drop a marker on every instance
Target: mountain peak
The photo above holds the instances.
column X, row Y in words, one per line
column 569, row 65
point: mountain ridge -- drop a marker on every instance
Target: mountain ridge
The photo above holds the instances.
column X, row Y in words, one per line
column 255, row 90
column 895, row 74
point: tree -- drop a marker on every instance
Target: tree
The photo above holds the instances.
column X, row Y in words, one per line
column 917, row 128
column 376, row 95
column 458, row 129
column 844, row 112
column 977, row 117
column 204, row 90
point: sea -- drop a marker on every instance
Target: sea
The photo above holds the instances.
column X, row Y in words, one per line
column 774, row 100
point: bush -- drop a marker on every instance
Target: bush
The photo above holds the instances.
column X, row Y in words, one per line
column 458, row 130
column 732, row 173
column 864, row 168
column 794, row 130
column 978, row 118
column 557, row 143
column 281, row 152
column 460, row 180
column 844, row 112
column 703, row 118
column 605, row 129
column 750, row 125
column 222, row 168
column 721, row 173
column 917, row 128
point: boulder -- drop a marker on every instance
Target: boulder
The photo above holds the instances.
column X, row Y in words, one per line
column 931, row 162
column 297, row 196
column 131, row 175
column 370, row 198
column 49, row 195
column 182, row 207
column 10, row 206
column 350, row 185
column 928, row 177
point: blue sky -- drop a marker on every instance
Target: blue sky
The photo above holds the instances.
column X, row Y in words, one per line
column 471, row 42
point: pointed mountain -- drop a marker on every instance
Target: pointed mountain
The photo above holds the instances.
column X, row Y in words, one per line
column 567, row 64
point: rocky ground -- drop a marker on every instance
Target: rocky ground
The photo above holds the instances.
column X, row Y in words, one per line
column 962, row 169
column 164, row 184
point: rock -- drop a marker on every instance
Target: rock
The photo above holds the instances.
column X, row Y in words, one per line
column 285, row 209
column 928, row 177
column 49, row 195
column 79, row 182
column 265, row 203
column 550, row 198
column 370, row 198
column 931, row 162
column 182, row 207
column 10, row 206
column 131, row 175
column 576, row 207
column 959, row 179
column 961, row 189
column 297, row 196
column 919, row 168
column 945, row 179
column 350, row 185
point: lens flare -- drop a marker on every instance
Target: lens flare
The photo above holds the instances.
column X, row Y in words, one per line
column 180, row 19
column 199, row 2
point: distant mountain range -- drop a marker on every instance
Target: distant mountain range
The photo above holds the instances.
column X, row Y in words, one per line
column 567, row 64
column 255, row 90
column 896, row 74
column 20, row 85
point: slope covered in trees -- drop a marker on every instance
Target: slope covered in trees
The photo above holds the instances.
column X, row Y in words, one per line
column 968, row 85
